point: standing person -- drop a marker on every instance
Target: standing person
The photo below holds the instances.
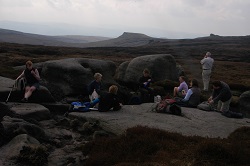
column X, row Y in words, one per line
column 94, row 88
column 182, row 89
column 221, row 95
column 145, row 80
column 32, row 80
column 109, row 100
column 207, row 65
column 192, row 97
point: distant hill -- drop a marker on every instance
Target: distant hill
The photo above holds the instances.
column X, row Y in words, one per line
column 11, row 36
column 127, row 39
column 232, row 48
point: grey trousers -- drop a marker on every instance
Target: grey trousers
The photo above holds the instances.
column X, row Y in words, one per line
column 206, row 78
column 223, row 106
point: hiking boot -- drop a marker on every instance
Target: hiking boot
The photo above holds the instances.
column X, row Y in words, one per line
column 24, row 100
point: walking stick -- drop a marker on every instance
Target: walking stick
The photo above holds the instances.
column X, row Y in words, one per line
column 10, row 93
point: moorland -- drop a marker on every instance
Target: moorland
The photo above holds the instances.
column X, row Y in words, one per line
column 232, row 65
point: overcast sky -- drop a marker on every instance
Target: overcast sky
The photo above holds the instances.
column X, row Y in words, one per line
column 158, row 18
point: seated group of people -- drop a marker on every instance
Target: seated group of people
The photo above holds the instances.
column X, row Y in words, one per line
column 221, row 95
column 104, row 101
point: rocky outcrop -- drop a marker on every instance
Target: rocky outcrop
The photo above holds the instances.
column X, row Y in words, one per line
column 13, row 148
column 161, row 66
column 40, row 95
column 29, row 111
column 193, row 122
column 71, row 76
column 15, row 126
column 245, row 104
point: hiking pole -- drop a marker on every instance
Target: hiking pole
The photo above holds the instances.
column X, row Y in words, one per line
column 9, row 94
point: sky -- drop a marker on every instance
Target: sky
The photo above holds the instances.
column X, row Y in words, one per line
column 110, row 18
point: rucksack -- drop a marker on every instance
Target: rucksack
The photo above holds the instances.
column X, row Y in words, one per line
column 205, row 106
column 168, row 106
column 135, row 99
column 20, row 84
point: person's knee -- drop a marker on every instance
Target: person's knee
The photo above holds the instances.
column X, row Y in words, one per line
column 32, row 89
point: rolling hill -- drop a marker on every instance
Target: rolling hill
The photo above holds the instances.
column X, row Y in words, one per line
column 11, row 36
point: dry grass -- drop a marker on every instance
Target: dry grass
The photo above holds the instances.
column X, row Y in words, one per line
column 236, row 74
column 147, row 146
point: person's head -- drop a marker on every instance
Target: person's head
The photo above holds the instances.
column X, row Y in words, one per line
column 194, row 82
column 98, row 77
column 113, row 89
column 146, row 72
column 208, row 54
column 181, row 78
column 216, row 84
column 29, row 65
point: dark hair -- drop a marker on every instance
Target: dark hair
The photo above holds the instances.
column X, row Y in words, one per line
column 216, row 83
column 195, row 83
column 183, row 77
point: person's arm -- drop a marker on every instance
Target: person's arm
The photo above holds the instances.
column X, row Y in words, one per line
column 116, row 105
column 90, row 88
column 36, row 74
column 20, row 76
column 181, row 87
column 187, row 97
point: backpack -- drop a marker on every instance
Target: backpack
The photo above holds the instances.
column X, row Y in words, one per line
column 20, row 84
column 168, row 106
column 205, row 106
column 135, row 99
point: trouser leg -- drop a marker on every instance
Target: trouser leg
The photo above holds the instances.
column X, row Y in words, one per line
column 206, row 78
column 225, row 106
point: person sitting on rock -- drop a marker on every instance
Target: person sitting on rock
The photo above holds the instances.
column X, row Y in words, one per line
column 109, row 100
column 145, row 80
column 94, row 87
column 192, row 97
column 182, row 89
column 32, row 80
column 221, row 95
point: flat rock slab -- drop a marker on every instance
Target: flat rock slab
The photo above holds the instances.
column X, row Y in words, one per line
column 30, row 110
column 194, row 121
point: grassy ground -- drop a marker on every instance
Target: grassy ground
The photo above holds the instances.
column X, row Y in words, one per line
column 150, row 147
column 142, row 145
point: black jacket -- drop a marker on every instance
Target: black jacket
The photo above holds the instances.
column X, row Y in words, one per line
column 108, row 101
column 31, row 80
column 223, row 93
column 94, row 85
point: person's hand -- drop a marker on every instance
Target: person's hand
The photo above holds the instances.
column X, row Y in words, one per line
column 33, row 73
column 149, row 80
column 145, row 83
column 183, row 92
column 209, row 99
column 211, row 102
column 120, row 104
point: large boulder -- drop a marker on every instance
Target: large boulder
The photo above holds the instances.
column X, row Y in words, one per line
column 245, row 104
column 29, row 111
column 161, row 66
column 13, row 148
column 41, row 95
column 71, row 76
column 15, row 126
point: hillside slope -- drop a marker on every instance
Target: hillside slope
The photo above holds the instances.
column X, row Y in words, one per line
column 11, row 36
